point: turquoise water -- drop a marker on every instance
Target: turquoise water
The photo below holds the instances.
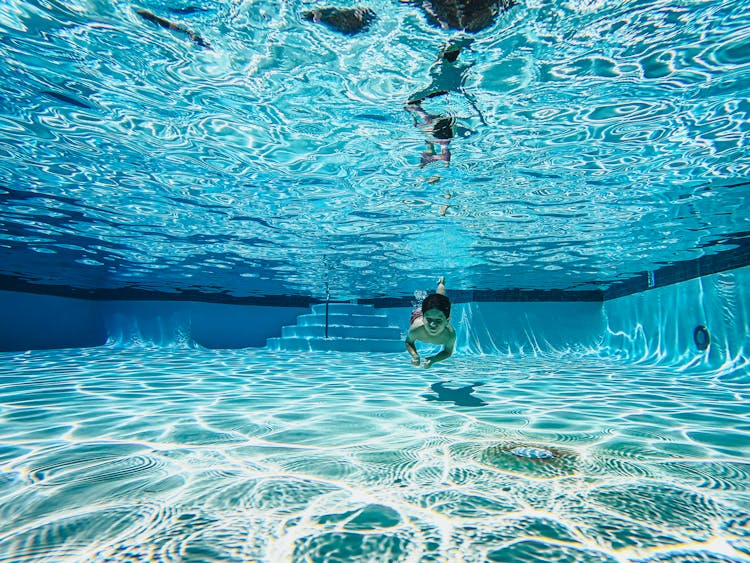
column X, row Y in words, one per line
column 193, row 455
column 595, row 141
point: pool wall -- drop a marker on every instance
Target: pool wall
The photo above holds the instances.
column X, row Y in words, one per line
column 657, row 325
column 30, row 321
column 189, row 323
column 520, row 327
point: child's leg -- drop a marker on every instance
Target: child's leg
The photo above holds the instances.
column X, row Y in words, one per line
column 429, row 155
column 421, row 117
column 441, row 286
column 445, row 153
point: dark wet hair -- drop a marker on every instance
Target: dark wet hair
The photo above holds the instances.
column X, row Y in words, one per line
column 439, row 302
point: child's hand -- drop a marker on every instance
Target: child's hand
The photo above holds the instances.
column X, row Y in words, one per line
column 428, row 363
column 415, row 361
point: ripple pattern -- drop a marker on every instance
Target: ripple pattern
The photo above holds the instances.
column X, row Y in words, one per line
column 192, row 455
column 610, row 138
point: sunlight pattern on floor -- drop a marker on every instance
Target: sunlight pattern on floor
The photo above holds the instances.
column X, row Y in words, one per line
column 195, row 455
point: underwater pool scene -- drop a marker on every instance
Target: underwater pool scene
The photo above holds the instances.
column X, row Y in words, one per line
column 197, row 455
column 216, row 218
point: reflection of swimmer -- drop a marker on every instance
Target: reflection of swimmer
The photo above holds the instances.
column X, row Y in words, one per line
column 345, row 20
column 166, row 24
column 448, row 74
column 440, row 130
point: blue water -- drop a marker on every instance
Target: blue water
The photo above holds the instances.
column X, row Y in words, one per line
column 595, row 141
column 249, row 152
column 197, row 456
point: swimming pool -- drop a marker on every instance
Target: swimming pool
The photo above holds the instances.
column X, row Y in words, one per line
column 180, row 181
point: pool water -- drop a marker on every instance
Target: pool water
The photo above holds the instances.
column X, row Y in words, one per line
column 595, row 141
column 193, row 455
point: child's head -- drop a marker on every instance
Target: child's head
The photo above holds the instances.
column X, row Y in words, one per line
column 436, row 311
column 439, row 302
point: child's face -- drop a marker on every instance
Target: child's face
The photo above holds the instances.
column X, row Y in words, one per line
column 434, row 321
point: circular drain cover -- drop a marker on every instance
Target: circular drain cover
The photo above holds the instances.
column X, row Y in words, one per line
column 532, row 453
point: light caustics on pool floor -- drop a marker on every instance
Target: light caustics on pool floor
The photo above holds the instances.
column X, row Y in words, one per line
column 191, row 455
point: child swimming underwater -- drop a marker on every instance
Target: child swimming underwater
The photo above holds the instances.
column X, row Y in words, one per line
column 431, row 324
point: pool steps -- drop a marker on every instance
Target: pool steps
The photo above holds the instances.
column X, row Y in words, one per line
column 351, row 328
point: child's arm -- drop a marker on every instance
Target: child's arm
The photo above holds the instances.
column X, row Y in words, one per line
column 444, row 354
column 411, row 348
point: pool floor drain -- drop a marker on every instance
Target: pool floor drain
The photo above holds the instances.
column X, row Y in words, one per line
column 532, row 453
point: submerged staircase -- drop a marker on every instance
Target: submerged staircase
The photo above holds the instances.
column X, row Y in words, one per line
column 344, row 327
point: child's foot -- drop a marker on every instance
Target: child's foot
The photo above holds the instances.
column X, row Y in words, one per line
column 429, row 157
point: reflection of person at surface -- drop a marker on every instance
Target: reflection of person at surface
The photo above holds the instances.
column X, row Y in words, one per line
column 168, row 24
column 348, row 21
column 439, row 129
column 466, row 15
column 447, row 75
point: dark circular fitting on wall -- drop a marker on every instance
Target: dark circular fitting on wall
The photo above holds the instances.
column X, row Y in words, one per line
column 701, row 337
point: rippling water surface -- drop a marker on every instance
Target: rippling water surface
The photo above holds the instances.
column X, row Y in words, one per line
column 167, row 455
column 596, row 140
